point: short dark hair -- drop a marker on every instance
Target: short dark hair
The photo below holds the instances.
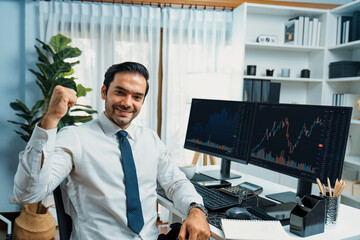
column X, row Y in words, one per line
column 126, row 67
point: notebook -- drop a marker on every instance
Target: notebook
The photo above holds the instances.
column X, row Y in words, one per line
column 252, row 229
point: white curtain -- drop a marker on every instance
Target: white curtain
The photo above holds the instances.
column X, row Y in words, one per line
column 107, row 34
column 196, row 56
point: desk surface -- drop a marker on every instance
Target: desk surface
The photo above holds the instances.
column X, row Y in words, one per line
column 347, row 227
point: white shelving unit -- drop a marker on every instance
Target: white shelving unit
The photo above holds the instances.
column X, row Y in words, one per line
column 252, row 20
column 344, row 52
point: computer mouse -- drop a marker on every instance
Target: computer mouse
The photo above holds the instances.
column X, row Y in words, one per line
column 238, row 213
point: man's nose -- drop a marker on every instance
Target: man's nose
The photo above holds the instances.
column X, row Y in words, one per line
column 127, row 100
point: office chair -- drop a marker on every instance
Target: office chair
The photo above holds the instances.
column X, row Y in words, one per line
column 64, row 220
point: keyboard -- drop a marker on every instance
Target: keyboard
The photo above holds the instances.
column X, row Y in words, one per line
column 213, row 200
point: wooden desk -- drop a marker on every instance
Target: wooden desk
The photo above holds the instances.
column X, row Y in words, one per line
column 347, row 227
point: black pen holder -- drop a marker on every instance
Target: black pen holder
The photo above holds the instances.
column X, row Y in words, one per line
column 308, row 219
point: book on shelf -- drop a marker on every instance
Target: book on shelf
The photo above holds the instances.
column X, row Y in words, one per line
column 346, row 27
column 355, row 29
column 235, row 229
column 348, row 100
column 274, row 94
column 310, row 33
column 344, row 24
column 306, row 31
column 255, row 90
column 318, row 34
column 291, row 29
column 314, row 32
column 299, row 29
column 338, row 30
column 303, row 31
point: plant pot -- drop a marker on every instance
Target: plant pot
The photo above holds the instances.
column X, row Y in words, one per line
column 33, row 224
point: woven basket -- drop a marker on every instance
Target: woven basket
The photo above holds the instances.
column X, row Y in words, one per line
column 33, row 224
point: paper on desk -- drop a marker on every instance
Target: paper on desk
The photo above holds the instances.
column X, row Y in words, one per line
column 252, row 229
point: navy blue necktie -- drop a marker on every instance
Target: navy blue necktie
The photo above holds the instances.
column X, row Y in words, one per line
column 134, row 211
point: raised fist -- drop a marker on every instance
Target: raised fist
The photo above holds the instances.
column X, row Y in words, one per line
column 61, row 99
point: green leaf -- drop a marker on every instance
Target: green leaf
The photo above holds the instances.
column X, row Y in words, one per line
column 27, row 117
column 46, row 70
column 59, row 67
column 27, row 129
column 81, row 105
column 40, row 77
column 59, row 41
column 26, row 138
column 67, row 82
column 83, row 110
column 68, row 52
column 60, row 124
column 43, row 90
column 67, row 73
column 46, row 47
column 19, row 106
column 81, row 90
column 36, row 106
column 42, row 57
column 17, row 123
column 82, row 119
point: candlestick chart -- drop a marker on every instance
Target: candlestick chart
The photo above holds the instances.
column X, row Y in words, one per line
column 302, row 141
column 221, row 127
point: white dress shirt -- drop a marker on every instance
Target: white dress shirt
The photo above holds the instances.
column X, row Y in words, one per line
column 88, row 158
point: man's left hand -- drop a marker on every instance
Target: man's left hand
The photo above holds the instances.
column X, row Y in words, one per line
column 195, row 225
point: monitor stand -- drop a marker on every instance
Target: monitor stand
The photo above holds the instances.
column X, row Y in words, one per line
column 223, row 174
column 303, row 188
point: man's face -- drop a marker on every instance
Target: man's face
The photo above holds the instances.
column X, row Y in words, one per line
column 124, row 98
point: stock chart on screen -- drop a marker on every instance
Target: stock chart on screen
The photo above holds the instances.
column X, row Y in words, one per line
column 221, row 128
column 304, row 141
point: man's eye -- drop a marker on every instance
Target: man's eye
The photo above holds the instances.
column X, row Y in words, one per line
column 119, row 92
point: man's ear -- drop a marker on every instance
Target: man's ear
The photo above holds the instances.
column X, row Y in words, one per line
column 103, row 92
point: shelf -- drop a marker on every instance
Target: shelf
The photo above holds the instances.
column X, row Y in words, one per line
column 267, row 9
column 346, row 8
column 345, row 79
column 355, row 122
column 346, row 46
column 282, row 47
column 285, row 79
column 348, row 195
column 354, row 160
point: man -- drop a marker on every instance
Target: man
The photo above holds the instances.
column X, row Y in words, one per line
column 90, row 158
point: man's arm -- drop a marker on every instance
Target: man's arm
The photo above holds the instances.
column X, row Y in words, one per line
column 183, row 194
column 195, row 225
column 34, row 180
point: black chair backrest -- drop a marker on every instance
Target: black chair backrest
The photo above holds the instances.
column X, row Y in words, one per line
column 64, row 220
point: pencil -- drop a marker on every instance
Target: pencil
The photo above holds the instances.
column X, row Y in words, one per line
column 341, row 188
column 329, row 186
column 320, row 186
column 336, row 188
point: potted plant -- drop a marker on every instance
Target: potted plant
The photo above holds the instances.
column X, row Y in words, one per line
column 53, row 70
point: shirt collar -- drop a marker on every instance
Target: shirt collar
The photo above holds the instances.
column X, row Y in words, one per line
column 110, row 128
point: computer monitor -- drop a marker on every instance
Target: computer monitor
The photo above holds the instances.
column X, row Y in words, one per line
column 303, row 141
column 220, row 128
